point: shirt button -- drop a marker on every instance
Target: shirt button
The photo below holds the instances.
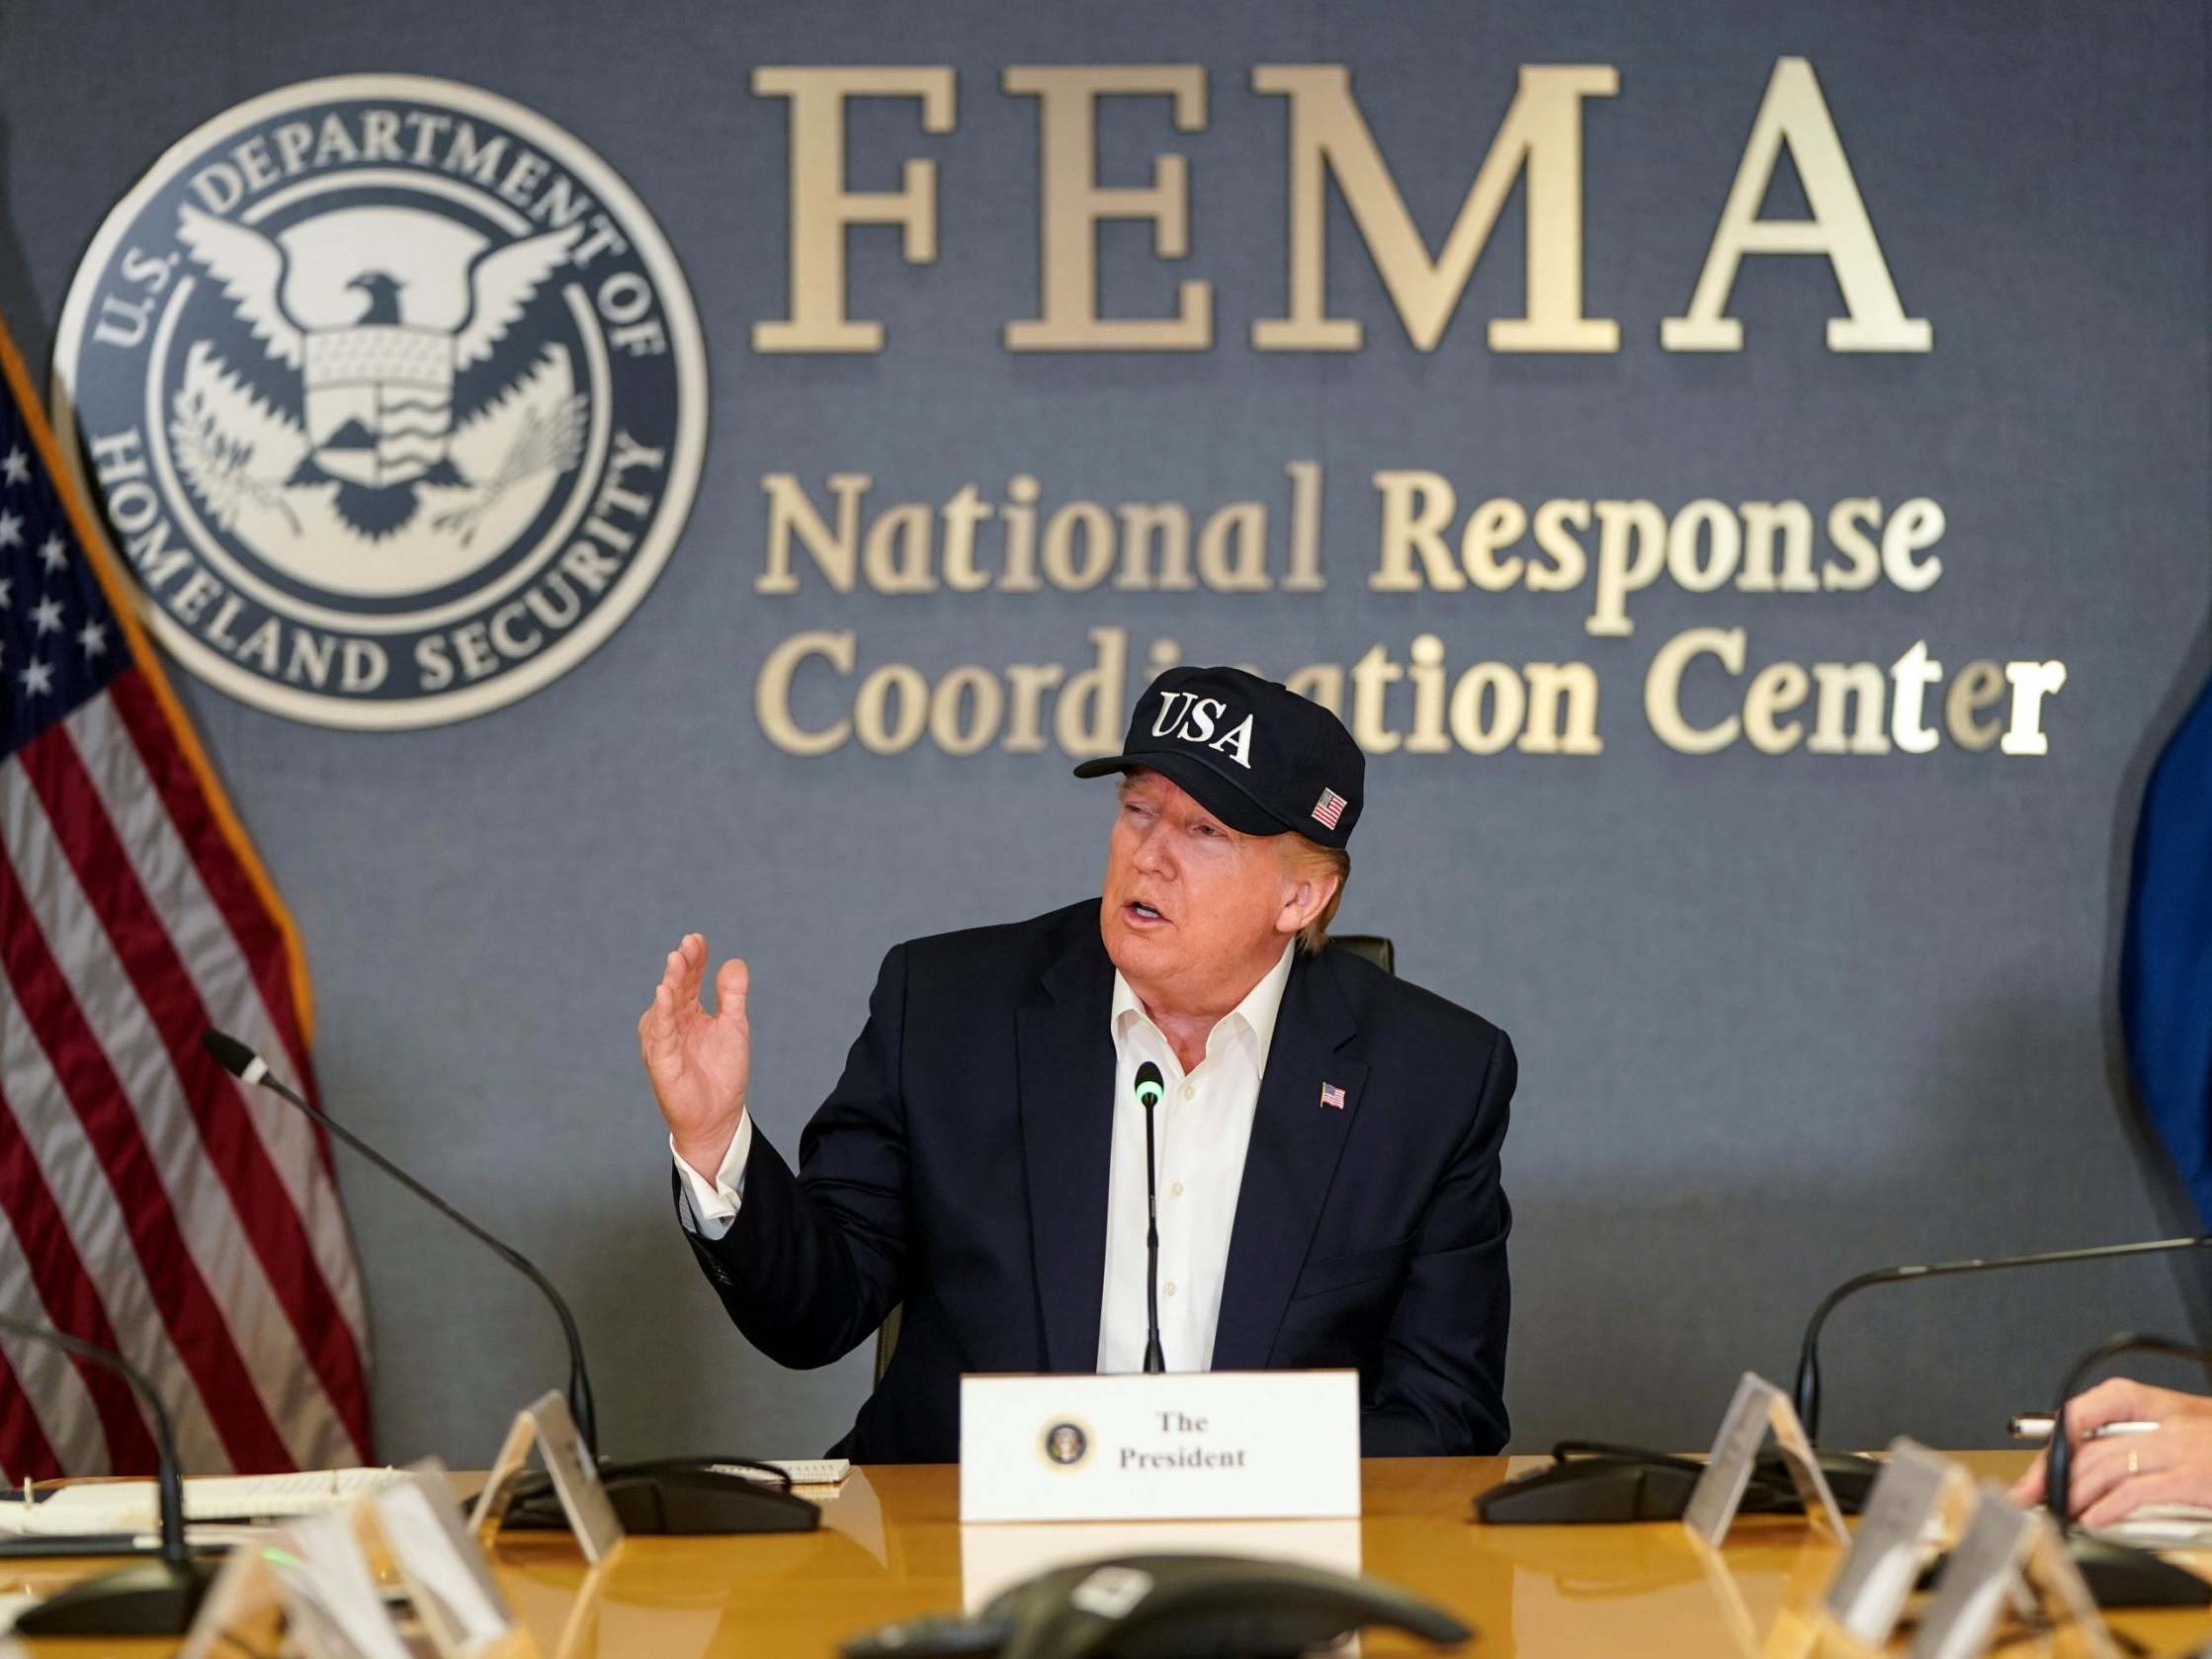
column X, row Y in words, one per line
column 1178, row 1189
column 1190, row 1090
column 1171, row 1287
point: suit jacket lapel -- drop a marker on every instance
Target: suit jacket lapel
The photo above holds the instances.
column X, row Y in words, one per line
column 1291, row 1160
column 1065, row 1055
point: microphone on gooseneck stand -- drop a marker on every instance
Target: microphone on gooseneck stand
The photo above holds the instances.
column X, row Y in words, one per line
column 2117, row 1574
column 1151, row 1087
column 1844, row 1469
column 1807, row 1389
column 249, row 1067
column 688, row 1495
column 147, row 1598
column 1599, row 1482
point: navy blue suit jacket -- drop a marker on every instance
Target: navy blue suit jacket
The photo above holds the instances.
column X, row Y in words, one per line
column 960, row 1168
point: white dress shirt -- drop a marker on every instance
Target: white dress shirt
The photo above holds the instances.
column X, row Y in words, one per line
column 711, row 1211
column 1200, row 1130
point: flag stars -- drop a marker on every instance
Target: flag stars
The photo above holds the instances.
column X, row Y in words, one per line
column 36, row 679
column 93, row 637
column 16, row 467
column 54, row 551
column 46, row 616
column 7, row 590
column 11, row 530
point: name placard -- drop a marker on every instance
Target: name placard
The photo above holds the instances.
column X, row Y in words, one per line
column 2005, row 1547
column 546, row 1425
column 1199, row 1446
column 1918, row 1504
column 1759, row 1411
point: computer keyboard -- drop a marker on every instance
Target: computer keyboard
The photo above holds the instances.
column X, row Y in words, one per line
column 121, row 1506
column 803, row 1472
column 133, row 1506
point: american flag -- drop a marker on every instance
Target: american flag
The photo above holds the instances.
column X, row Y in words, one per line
column 147, row 1202
column 1331, row 1095
column 1330, row 809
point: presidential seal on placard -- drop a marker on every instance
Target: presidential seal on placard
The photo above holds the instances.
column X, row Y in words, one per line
column 1067, row 1444
column 391, row 396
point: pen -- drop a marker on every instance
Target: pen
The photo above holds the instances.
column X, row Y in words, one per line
column 2035, row 1427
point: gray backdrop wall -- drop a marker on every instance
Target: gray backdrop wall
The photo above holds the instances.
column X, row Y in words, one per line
column 1780, row 1017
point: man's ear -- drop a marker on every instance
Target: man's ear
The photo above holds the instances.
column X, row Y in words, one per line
column 1307, row 898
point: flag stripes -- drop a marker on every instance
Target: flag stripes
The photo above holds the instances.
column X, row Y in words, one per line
column 148, row 1203
column 246, row 1439
column 261, row 945
column 42, row 1253
column 150, row 1008
column 174, row 879
column 19, row 1425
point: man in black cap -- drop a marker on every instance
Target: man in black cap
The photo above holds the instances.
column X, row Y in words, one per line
column 1328, row 1135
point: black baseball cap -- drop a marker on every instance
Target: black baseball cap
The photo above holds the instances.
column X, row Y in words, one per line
column 1256, row 754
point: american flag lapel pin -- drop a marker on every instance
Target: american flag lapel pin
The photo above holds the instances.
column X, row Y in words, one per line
column 1328, row 810
column 1331, row 1095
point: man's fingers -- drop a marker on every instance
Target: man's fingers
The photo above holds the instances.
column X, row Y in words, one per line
column 2106, row 1465
column 672, row 971
column 685, row 966
column 663, row 1005
column 2030, row 1487
column 2117, row 1399
column 659, row 1034
column 2130, row 1495
column 731, row 988
column 2087, row 1485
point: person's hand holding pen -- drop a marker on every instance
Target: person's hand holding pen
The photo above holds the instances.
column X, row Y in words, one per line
column 2132, row 1444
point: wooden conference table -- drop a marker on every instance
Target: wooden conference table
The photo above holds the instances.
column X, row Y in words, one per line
column 891, row 1548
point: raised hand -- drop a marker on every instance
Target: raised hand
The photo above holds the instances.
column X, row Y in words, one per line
column 699, row 1064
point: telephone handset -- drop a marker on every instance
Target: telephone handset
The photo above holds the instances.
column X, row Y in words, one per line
column 1167, row 1606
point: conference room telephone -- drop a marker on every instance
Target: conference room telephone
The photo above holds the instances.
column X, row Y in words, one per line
column 1167, row 1606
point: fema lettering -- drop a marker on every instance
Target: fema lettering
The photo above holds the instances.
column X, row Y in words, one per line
column 1536, row 150
column 391, row 395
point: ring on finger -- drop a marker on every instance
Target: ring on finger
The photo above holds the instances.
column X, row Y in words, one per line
column 2135, row 1461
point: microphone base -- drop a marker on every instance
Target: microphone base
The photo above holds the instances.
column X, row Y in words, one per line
column 144, row 1599
column 672, row 1498
column 2119, row 1575
column 1622, row 1484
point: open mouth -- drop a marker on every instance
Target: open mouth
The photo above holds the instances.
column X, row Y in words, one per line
column 1143, row 914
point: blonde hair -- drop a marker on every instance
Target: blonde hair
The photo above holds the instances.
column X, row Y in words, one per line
column 1315, row 861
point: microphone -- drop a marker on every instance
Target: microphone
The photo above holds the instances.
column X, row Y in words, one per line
column 685, row 1495
column 1150, row 1088
column 147, row 1598
column 250, row 1068
column 1807, row 1389
column 1613, row 1486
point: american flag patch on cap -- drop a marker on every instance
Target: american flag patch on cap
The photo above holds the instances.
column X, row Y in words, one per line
column 1331, row 1095
column 1330, row 808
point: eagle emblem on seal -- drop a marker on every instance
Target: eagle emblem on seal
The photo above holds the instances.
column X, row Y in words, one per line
column 393, row 410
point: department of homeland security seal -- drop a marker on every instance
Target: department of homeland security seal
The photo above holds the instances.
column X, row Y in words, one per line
column 391, row 396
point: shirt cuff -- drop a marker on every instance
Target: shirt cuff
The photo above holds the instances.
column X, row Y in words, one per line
column 711, row 1211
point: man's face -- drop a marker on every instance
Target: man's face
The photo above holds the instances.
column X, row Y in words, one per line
column 1195, row 913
